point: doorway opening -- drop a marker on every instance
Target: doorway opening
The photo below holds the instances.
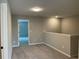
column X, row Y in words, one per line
column 23, row 32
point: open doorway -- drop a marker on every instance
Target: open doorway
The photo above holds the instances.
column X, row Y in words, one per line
column 23, row 32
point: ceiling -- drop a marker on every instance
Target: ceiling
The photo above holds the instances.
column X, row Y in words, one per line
column 51, row 7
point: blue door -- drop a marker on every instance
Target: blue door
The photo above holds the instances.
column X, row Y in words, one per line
column 23, row 32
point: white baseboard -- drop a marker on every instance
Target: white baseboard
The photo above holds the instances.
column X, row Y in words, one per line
column 57, row 50
column 49, row 46
column 15, row 46
column 35, row 43
column 29, row 44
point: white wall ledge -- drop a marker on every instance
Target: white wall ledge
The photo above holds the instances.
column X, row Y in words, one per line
column 61, row 33
column 57, row 33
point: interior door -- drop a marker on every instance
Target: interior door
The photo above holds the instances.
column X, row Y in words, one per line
column 3, row 30
column 0, row 44
column 0, row 31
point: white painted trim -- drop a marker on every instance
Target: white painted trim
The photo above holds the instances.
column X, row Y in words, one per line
column 56, row 33
column 35, row 43
column 57, row 50
column 28, row 31
column 29, row 44
column 26, row 20
column 52, row 47
column 4, row 30
column 15, row 46
column 22, row 20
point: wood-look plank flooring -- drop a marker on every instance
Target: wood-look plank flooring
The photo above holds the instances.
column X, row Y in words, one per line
column 37, row 52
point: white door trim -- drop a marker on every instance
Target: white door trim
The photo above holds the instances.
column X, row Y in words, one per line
column 4, row 31
column 26, row 20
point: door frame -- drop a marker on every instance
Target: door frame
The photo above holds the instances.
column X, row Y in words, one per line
column 28, row 30
column 4, row 32
column 4, row 41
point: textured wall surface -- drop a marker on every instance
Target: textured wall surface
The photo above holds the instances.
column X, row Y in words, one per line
column 62, row 41
column 35, row 29
column 59, row 41
column 70, row 25
column 52, row 25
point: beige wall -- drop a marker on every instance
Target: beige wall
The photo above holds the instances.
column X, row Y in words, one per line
column 52, row 24
column 70, row 25
column 35, row 29
column 67, row 25
column 38, row 25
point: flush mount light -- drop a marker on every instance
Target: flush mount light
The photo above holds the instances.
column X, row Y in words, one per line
column 36, row 9
column 56, row 16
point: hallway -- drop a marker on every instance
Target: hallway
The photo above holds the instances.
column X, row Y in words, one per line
column 37, row 52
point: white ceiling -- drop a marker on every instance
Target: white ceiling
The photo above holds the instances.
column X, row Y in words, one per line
column 51, row 7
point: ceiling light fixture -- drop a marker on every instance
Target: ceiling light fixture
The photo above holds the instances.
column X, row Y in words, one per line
column 56, row 16
column 36, row 9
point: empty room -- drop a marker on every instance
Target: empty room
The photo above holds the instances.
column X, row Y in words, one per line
column 39, row 29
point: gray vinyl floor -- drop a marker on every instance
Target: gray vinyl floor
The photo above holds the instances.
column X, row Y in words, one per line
column 37, row 52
